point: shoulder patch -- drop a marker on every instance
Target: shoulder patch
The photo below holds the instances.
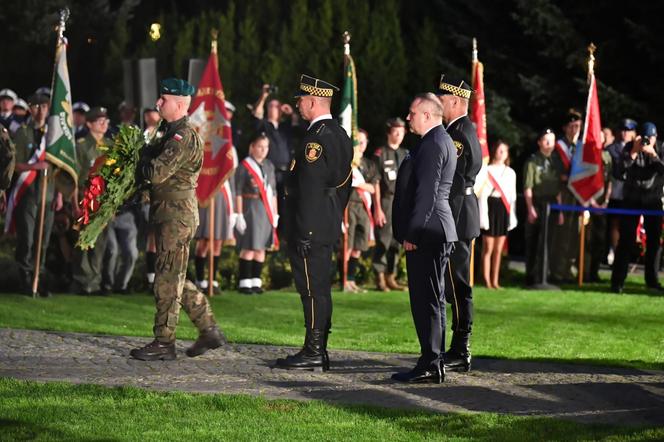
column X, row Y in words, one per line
column 312, row 152
column 459, row 148
column 177, row 137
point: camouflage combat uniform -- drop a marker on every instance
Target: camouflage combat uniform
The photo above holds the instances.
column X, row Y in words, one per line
column 7, row 159
column 172, row 166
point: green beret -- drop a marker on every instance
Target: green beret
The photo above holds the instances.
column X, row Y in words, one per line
column 176, row 86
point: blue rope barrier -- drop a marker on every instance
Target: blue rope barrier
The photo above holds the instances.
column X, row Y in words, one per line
column 633, row 212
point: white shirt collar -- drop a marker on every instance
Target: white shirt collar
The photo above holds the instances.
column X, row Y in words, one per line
column 429, row 130
column 317, row 119
column 450, row 123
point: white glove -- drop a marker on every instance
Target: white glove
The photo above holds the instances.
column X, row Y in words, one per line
column 232, row 219
column 275, row 219
column 240, row 224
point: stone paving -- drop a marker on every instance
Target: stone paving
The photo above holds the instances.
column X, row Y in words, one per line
column 576, row 392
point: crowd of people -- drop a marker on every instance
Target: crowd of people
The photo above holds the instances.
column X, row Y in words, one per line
column 248, row 206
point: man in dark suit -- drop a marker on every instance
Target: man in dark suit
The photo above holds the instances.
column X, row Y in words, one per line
column 454, row 97
column 317, row 192
column 423, row 222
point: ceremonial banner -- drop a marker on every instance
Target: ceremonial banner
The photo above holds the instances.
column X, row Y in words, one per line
column 348, row 116
column 60, row 146
column 208, row 114
column 477, row 105
column 586, row 180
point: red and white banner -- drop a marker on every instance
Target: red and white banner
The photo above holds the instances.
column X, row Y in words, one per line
column 208, row 114
column 478, row 107
column 586, row 179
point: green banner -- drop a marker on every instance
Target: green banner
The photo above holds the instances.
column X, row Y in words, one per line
column 60, row 145
column 348, row 115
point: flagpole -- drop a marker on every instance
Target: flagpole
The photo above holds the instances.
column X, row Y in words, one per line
column 471, row 279
column 345, row 256
column 42, row 213
column 64, row 15
column 213, row 48
column 582, row 235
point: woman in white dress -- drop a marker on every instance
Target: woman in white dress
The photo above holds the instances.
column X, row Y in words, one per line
column 496, row 192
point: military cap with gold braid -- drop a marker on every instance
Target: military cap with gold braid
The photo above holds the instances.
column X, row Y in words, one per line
column 458, row 88
column 315, row 87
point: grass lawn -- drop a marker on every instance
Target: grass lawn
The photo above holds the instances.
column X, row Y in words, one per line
column 587, row 326
column 34, row 411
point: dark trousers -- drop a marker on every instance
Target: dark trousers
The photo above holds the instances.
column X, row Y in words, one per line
column 534, row 238
column 653, row 226
column 313, row 282
column 27, row 229
column 458, row 291
column 426, row 285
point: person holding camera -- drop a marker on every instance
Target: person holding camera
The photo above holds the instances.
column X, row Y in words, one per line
column 642, row 162
column 277, row 120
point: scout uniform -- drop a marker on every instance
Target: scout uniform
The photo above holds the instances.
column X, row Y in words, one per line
column 29, row 142
column 87, row 264
column 386, row 252
column 542, row 175
column 463, row 201
column 256, row 184
column 566, row 236
column 360, row 217
column 171, row 168
column 317, row 192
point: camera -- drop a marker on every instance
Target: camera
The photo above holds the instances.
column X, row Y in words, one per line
column 645, row 140
column 272, row 89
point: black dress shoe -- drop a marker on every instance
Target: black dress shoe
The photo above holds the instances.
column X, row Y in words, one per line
column 431, row 375
column 455, row 361
column 154, row 351
column 656, row 287
column 617, row 289
column 208, row 340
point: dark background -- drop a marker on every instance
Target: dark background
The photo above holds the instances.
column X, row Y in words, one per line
column 534, row 52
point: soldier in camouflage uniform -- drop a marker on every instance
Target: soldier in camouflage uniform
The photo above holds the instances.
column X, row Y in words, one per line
column 171, row 168
column 7, row 158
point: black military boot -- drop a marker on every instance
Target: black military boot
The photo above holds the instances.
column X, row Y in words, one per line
column 326, row 356
column 209, row 339
column 458, row 356
column 311, row 357
column 154, row 351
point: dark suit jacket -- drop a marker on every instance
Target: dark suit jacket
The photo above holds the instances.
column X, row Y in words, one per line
column 421, row 213
column 319, row 185
column 469, row 162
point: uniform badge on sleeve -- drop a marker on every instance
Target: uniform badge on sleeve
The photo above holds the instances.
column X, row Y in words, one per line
column 313, row 151
column 459, row 148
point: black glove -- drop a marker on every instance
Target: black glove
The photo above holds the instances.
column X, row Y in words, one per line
column 303, row 246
